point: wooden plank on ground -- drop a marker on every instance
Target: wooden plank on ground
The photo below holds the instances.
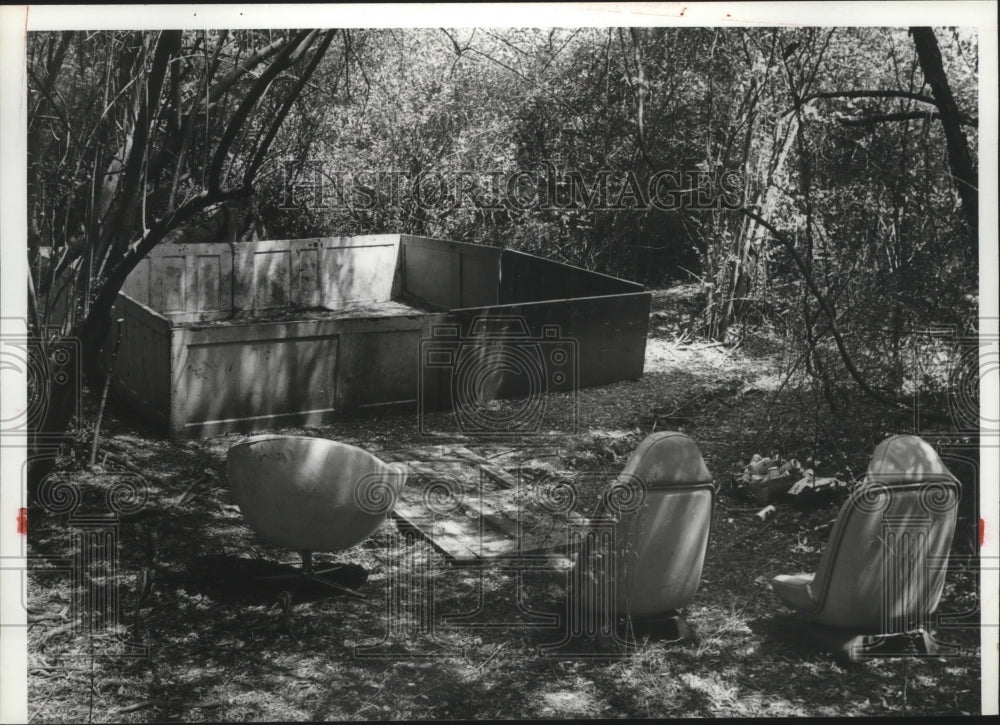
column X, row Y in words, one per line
column 487, row 516
column 535, row 528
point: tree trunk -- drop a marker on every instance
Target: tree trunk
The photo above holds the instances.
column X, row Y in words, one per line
column 959, row 158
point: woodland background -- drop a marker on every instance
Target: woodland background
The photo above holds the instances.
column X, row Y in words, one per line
column 854, row 227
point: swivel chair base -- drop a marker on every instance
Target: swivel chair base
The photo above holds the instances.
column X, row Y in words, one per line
column 308, row 574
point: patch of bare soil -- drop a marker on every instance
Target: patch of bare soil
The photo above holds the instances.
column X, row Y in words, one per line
column 175, row 628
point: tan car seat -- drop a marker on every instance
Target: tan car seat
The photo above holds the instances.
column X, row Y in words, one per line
column 883, row 569
column 642, row 558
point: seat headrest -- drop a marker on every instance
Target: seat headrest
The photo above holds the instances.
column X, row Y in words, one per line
column 668, row 459
column 907, row 459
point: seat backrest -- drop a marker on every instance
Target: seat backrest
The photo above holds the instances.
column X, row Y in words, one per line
column 883, row 568
column 656, row 519
column 311, row 494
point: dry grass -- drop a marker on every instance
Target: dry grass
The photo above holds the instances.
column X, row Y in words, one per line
column 217, row 651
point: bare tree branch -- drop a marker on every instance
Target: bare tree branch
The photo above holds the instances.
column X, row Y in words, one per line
column 868, row 94
column 531, row 81
column 907, row 116
column 168, row 43
column 828, row 311
column 208, row 102
column 285, row 58
column 639, row 86
column 279, row 118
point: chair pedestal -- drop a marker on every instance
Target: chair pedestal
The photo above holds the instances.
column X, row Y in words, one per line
column 308, row 574
column 848, row 646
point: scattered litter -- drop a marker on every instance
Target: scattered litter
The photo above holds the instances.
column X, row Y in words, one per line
column 772, row 479
column 810, row 491
column 764, row 479
column 765, row 513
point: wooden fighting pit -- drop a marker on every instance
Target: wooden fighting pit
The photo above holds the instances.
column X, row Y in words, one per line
column 257, row 335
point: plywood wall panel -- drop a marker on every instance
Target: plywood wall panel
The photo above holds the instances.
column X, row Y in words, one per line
column 446, row 274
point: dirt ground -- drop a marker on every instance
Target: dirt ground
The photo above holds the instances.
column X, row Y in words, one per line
column 176, row 629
